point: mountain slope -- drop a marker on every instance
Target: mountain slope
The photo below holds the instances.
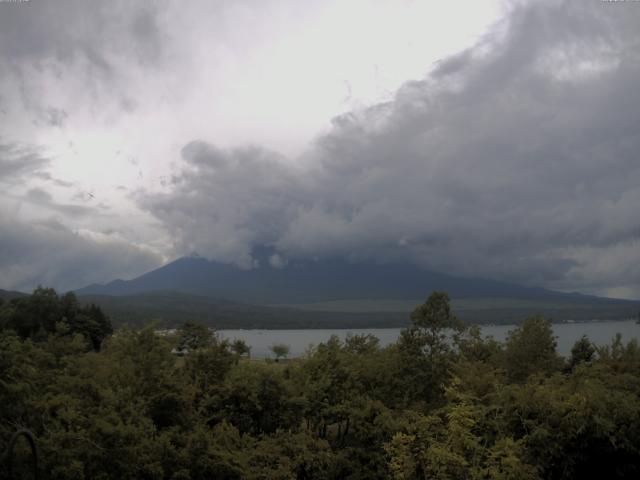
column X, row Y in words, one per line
column 322, row 281
column 9, row 294
column 171, row 309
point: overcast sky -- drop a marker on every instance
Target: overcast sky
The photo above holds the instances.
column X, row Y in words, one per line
column 487, row 138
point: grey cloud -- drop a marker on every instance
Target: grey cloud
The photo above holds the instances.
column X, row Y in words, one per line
column 54, row 117
column 55, row 181
column 39, row 196
column 48, row 253
column 81, row 195
column 65, row 29
column 129, row 105
column 18, row 161
column 44, row 199
column 104, row 39
column 517, row 159
column 453, row 64
column 72, row 210
column 225, row 202
column 20, row 164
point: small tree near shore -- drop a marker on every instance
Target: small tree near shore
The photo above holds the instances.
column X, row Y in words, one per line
column 240, row 348
column 280, row 350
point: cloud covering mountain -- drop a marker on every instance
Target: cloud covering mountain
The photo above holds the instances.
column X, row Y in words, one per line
column 515, row 159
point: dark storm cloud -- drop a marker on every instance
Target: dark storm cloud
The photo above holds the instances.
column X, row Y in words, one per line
column 225, row 202
column 517, row 159
column 48, row 253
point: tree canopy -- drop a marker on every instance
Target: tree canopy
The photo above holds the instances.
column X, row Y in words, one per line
column 44, row 312
column 442, row 402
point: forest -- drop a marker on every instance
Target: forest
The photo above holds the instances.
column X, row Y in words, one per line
column 443, row 402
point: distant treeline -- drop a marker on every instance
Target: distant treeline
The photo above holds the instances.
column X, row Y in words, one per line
column 168, row 309
column 171, row 309
column 435, row 404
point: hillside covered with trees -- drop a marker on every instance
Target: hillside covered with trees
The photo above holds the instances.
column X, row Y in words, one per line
column 442, row 402
column 323, row 294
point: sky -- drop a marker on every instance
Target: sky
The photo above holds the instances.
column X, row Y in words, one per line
column 495, row 139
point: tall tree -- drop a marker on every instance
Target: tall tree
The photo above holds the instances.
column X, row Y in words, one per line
column 531, row 348
column 582, row 351
column 427, row 348
column 195, row 335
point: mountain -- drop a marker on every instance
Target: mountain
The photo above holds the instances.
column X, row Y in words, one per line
column 322, row 281
column 9, row 294
column 327, row 294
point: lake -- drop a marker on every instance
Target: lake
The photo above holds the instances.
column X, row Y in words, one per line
column 601, row 333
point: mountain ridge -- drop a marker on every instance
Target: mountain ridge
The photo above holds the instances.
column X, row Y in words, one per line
column 11, row 294
column 327, row 280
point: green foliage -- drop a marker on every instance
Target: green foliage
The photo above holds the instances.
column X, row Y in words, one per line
column 193, row 336
column 240, row 348
column 582, row 425
column 582, row 351
column 361, row 344
column 208, row 366
column 449, row 444
column 427, row 349
column 530, row 349
column 44, row 313
column 280, row 350
column 441, row 403
column 257, row 399
column 435, row 314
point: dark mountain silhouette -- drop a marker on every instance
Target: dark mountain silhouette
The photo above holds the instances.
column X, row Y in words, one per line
column 9, row 294
column 318, row 281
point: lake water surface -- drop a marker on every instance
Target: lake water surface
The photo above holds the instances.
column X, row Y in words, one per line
column 601, row 333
